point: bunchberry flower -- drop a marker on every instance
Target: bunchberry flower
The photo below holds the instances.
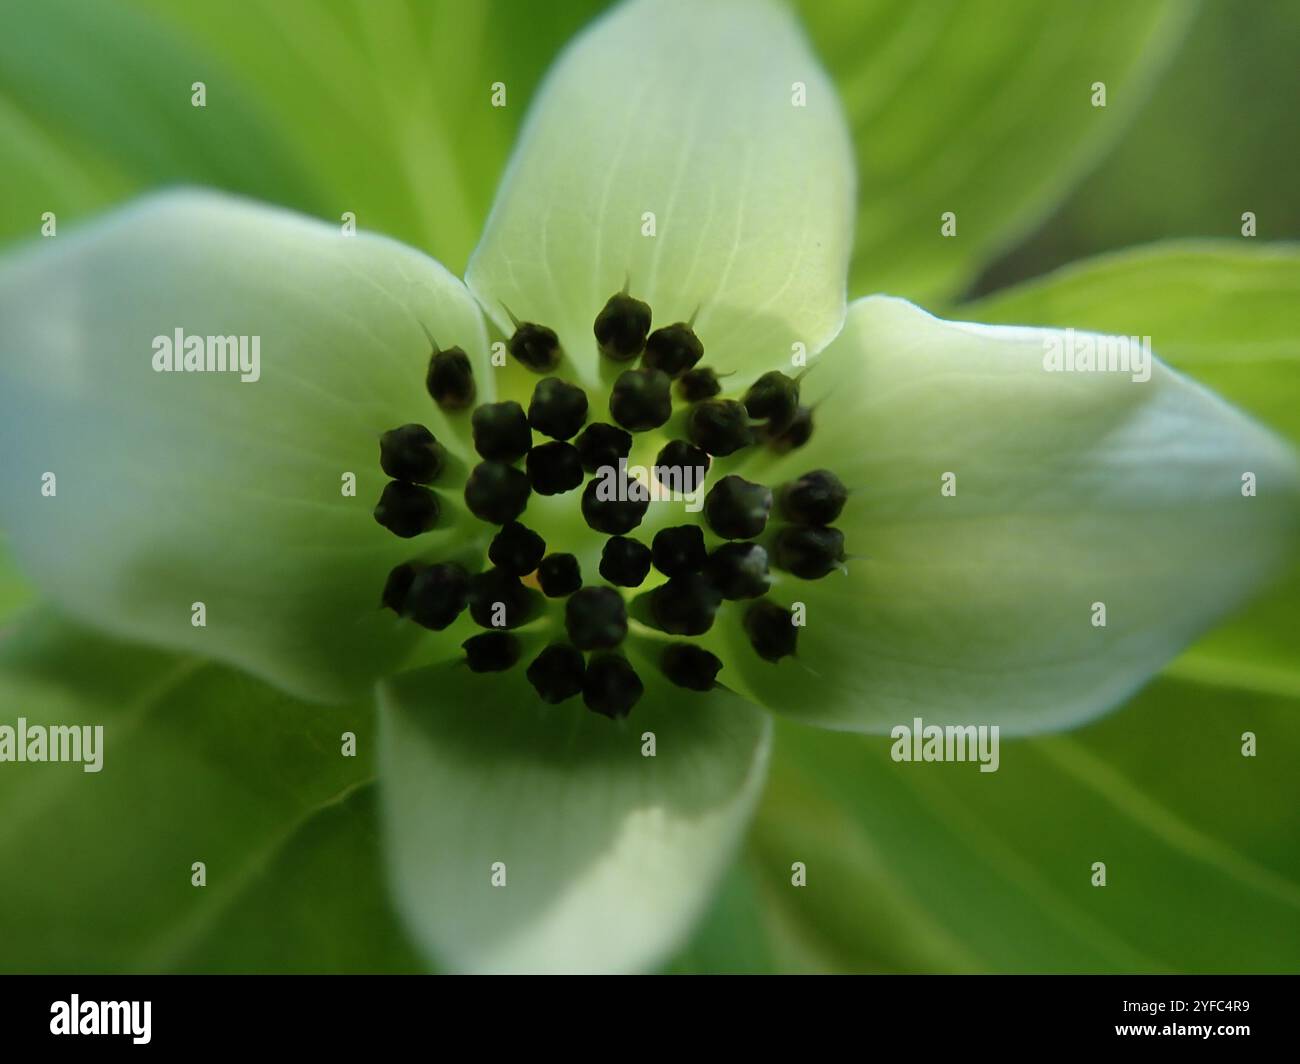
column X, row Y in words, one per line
column 899, row 512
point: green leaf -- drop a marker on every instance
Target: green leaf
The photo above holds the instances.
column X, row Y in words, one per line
column 1189, row 164
column 696, row 131
column 95, row 103
column 1226, row 314
column 983, row 109
column 388, row 103
column 526, row 837
column 14, row 590
column 734, row 937
column 381, row 107
column 1067, row 489
column 183, row 488
column 42, row 173
column 1222, row 311
column 319, row 905
column 199, row 764
column 939, row 867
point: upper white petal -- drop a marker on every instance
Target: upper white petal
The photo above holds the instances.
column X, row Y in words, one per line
column 710, row 122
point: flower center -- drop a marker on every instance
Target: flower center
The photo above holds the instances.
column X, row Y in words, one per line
column 580, row 577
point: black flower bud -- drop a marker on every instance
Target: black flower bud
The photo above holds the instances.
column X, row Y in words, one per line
column 516, row 549
column 771, row 630
column 498, row 599
column 559, row 575
column 496, row 492
column 491, row 651
column 397, row 586
column 611, row 686
column 796, row 435
column 690, row 666
column 816, row 498
column 451, row 379
column 719, row 426
column 411, row 453
column 674, row 349
column 554, row 468
column 536, row 346
column 685, row 605
column 556, row 673
column 595, row 618
column 739, row 570
column 681, row 466
column 406, row 510
column 737, row 508
column 602, row 445
column 501, row 432
column 621, row 327
column 624, row 561
column 605, row 512
column 809, row 553
column 437, row 595
column 641, row 399
column 679, row 551
column 698, row 384
column 558, row 408
column 773, row 398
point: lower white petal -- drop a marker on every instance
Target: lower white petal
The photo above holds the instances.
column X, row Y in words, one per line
column 530, row 838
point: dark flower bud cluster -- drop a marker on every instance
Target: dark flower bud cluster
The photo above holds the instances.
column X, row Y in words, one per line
column 436, row 596
column 601, row 446
column 682, row 465
column 690, row 666
column 698, row 384
column 559, row 575
column 625, row 562
column 411, row 453
column 674, row 349
column 642, row 399
column 550, row 448
column 809, row 547
column 773, row 398
column 621, row 327
column 535, row 346
column 413, row 458
column 450, row 379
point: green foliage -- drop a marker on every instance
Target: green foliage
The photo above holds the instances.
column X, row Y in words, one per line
column 939, row 867
column 982, row 109
column 387, row 103
column 14, row 590
column 95, row 105
column 1222, row 311
column 203, row 764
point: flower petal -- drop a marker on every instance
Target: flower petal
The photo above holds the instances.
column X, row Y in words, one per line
column 609, row 856
column 1072, row 489
column 178, row 488
column 688, row 111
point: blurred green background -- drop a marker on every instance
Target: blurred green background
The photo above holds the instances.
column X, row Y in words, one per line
column 978, row 107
